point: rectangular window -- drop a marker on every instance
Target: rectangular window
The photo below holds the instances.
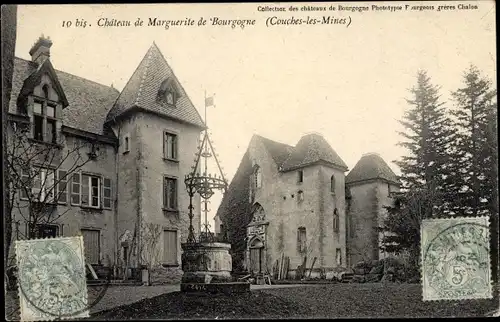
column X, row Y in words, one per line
column 107, row 193
column 44, row 122
column 46, row 230
column 301, row 240
column 50, row 133
column 37, row 108
column 43, row 185
column 85, row 190
column 300, row 178
column 91, row 191
column 62, row 187
column 75, row 189
column 338, row 256
column 38, row 128
column 170, row 193
column 170, row 146
column 170, row 247
column 126, row 147
column 51, row 111
column 25, row 181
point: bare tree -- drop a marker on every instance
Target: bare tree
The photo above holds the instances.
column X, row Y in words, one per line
column 37, row 176
column 149, row 252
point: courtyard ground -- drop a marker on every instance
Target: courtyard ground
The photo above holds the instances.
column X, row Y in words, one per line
column 275, row 301
column 306, row 301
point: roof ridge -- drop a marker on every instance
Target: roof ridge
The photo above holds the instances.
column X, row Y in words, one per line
column 179, row 83
column 263, row 137
column 149, row 54
column 64, row 72
column 126, row 84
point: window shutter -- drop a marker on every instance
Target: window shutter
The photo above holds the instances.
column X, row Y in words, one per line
column 164, row 144
column 298, row 240
column 25, row 178
column 106, row 195
column 38, row 179
column 101, row 192
column 174, row 147
column 62, row 187
column 49, row 186
column 75, row 188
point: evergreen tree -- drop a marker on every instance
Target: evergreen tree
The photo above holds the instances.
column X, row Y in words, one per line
column 475, row 145
column 428, row 136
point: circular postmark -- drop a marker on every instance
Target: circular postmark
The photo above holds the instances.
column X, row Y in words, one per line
column 456, row 261
column 52, row 279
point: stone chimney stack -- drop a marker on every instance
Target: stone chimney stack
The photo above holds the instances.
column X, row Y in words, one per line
column 41, row 50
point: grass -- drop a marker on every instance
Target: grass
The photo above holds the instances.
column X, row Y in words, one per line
column 325, row 301
column 179, row 305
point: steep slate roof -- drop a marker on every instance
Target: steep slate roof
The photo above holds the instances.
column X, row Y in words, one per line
column 371, row 166
column 89, row 102
column 278, row 151
column 142, row 90
column 310, row 149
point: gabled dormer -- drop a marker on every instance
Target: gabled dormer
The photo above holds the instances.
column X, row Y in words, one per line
column 168, row 93
column 42, row 97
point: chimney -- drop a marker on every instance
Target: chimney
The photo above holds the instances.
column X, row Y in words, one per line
column 41, row 50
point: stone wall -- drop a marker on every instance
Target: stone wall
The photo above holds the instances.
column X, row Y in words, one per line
column 165, row 275
column 71, row 219
column 362, row 235
column 154, row 167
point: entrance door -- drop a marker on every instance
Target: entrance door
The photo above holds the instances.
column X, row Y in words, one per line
column 91, row 244
column 256, row 257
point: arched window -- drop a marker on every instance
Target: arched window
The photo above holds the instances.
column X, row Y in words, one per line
column 45, row 89
column 336, row 220
column 256, row 177
column 332, row 184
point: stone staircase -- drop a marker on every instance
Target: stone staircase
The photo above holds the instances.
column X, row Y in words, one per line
column 347, row 277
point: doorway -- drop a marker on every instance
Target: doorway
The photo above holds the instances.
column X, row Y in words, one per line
column 256, row 257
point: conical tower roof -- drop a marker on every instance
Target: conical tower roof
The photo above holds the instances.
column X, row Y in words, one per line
column 310, row 149
column 371, row 166
column 144, row 86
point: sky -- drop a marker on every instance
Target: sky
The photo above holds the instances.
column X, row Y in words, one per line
column 347, row 83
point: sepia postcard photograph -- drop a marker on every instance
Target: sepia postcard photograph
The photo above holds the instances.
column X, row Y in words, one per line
column 274, row 160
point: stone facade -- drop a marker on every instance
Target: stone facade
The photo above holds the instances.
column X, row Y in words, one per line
column 126, row 131
column 311, row 210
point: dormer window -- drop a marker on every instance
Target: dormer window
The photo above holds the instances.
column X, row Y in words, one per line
column 168, row 92
column 44, row 118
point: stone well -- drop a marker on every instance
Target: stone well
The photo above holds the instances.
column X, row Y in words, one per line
column 206, row 263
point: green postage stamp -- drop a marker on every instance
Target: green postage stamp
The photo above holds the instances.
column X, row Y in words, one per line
column 51, row 279
column 456, row 259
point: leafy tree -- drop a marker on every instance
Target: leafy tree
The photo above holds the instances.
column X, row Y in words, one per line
column 427, row 137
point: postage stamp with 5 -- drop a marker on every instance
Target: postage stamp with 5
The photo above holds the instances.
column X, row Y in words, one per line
column 52, row 279
column 456, row 258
